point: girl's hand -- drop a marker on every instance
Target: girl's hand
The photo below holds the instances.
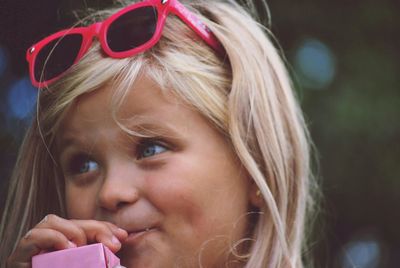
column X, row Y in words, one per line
column 54, row 232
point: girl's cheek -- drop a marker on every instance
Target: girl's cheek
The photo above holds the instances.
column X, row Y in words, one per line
column 179, row 202
column 80, row 203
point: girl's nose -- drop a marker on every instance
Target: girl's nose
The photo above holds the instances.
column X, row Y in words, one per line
column 118, row 190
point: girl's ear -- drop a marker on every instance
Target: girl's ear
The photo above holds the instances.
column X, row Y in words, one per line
column 256, row 198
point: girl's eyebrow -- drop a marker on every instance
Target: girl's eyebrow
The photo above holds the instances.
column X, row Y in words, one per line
column 67, row 141
column 142, row 125
column 153, row 131
column 133, row 128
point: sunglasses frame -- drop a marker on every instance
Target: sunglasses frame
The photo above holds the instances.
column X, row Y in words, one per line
column 99, row 30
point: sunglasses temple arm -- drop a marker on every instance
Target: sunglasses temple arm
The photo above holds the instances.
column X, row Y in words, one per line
column 196, row 25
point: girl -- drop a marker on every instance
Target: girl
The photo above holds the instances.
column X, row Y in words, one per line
column 176, row 141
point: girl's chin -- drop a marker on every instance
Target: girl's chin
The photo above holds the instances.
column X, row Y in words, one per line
column 144, row 249
column 139, row 259
column 146, row 260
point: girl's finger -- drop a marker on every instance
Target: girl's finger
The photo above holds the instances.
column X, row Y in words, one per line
column 103, row 232
column 83, row 231
column 37, row 240
column 70, row 229
column 121, row 234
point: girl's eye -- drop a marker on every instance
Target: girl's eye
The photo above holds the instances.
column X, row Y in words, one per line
column 151, row 148
column 83, row 164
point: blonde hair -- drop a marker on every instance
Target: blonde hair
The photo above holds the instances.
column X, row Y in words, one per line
column 246, row 94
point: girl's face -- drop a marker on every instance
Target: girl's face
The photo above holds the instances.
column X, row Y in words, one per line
column 179, row 190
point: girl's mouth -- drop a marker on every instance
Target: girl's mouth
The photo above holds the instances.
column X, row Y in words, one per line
column 135, row 237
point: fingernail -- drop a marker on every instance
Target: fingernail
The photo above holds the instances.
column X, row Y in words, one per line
column 121, row 230
column 28, row 234
column 115, row 240
column 71, row 244
column 44, row 220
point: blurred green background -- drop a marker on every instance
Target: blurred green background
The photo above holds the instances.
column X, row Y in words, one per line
column 344, row 57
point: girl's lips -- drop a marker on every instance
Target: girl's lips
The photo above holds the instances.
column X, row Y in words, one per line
column 136, row 236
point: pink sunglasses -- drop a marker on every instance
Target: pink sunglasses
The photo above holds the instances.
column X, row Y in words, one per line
column 131, row 30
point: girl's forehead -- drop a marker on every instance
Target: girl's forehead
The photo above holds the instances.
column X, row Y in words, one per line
column 145, row 108
column 145, row 98
column 144, row 94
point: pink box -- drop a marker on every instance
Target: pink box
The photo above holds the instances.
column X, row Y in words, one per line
column 91, row 256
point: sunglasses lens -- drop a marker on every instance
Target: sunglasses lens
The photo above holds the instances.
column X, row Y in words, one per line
column 57, row 56
column 132, row 29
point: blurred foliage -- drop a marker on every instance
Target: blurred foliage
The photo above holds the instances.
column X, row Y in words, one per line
column 354, row 120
